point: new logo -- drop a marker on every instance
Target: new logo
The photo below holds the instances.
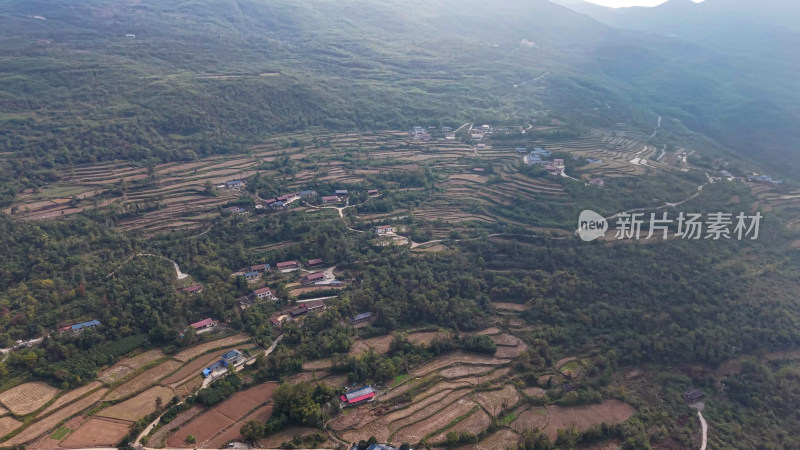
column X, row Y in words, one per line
column 591, row 225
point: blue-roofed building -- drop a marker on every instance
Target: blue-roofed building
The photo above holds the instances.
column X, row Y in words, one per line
column 521, row 149
column 232, row 357
column 341, row 192
column 89, row 324
column 304, row 194
column 234, row 184
column 380, row 447
column 534, row 160
column 363, row 317
column 252, row 276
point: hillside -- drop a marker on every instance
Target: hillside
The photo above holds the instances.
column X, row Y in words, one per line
column 202, row 77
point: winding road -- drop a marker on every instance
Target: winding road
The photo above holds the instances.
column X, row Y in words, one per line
column 180, row 274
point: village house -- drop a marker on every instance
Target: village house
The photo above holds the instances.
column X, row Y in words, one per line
column 481, row 146
column 693, row 395
column 361, row 318
column 237, row 209
column 193, row 289
column 252, row 277
column 521, row 149
column 264, row 292
column 246, row 301
column 534, row 160
column 315, row 262
column 235, row 184
column 270, row 201
column 331, row 199
column 79, row 327
column 384, row 229
column 418, row 133
column 306, row 193
column 372, row 192
column 259, row 268
column 447, row 129
column 450, row 135
column 312, row 278
column 230, row 358
column 204, row 324
column 478, row 169
column 542, row 153
column 277, row 321
column 341, row 192
column 599, row 182
column 288, row 265
column 278, row 205
column 315, row 305
column 558, row 163
column 362, row 394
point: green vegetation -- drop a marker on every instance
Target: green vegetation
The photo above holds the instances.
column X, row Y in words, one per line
column 60, row 433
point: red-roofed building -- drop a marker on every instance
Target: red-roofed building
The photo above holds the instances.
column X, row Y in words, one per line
column 372, row 192
column 192, row 289
column 359, row 395
column 315, row 262
column 312, row 278
column 288, row 265
column 203, row 324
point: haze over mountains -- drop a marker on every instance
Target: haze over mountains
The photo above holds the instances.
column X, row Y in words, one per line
column 362, row 64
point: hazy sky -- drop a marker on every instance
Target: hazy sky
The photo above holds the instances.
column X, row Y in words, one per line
column 619, row 3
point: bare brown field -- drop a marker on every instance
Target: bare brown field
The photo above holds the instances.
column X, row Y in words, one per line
column 202, row 428
column 97, row 432
column 430, row 410
column 379, row 344
column 457, row 358
column 197, row 350
column 116, row 372
column 261, row 415
column 425, row 337
column 489, row 331
column 186, row 389
column 417, row 431
column 3, row 411
column 8, row 424
column 582, row 417
column 496, row 401
column 244, row 401
column 137, row 407
column 40, row 426
column 506, row 339
column 208, row 424
column 27, row 397
column 157, row 438
column 376, row 428
column 464, row 370
column 143, row 380
column 533, row 391
column 530, row 419
column 420, row 405
column 69, row 397
column 510, row 306
column 474, row 424
column 143, row 359
column 275, row 440
column 336, row 381
column 510, row 352
column 500, row 440
column 193, row 368
column 318, row 364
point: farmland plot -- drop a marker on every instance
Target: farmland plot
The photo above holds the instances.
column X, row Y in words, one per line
column 143, row 380
column 27, row 397
column 500, row 439
column 474, row 424
column 417, row 431
column 139, row 406
column 197, row 350
column 457, row 358
column 97, row 432
column 8, row 424
column 42, row 425
column 496, row 401
column 69, row 397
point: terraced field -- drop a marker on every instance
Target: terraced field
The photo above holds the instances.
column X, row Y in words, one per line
column 173, row 196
